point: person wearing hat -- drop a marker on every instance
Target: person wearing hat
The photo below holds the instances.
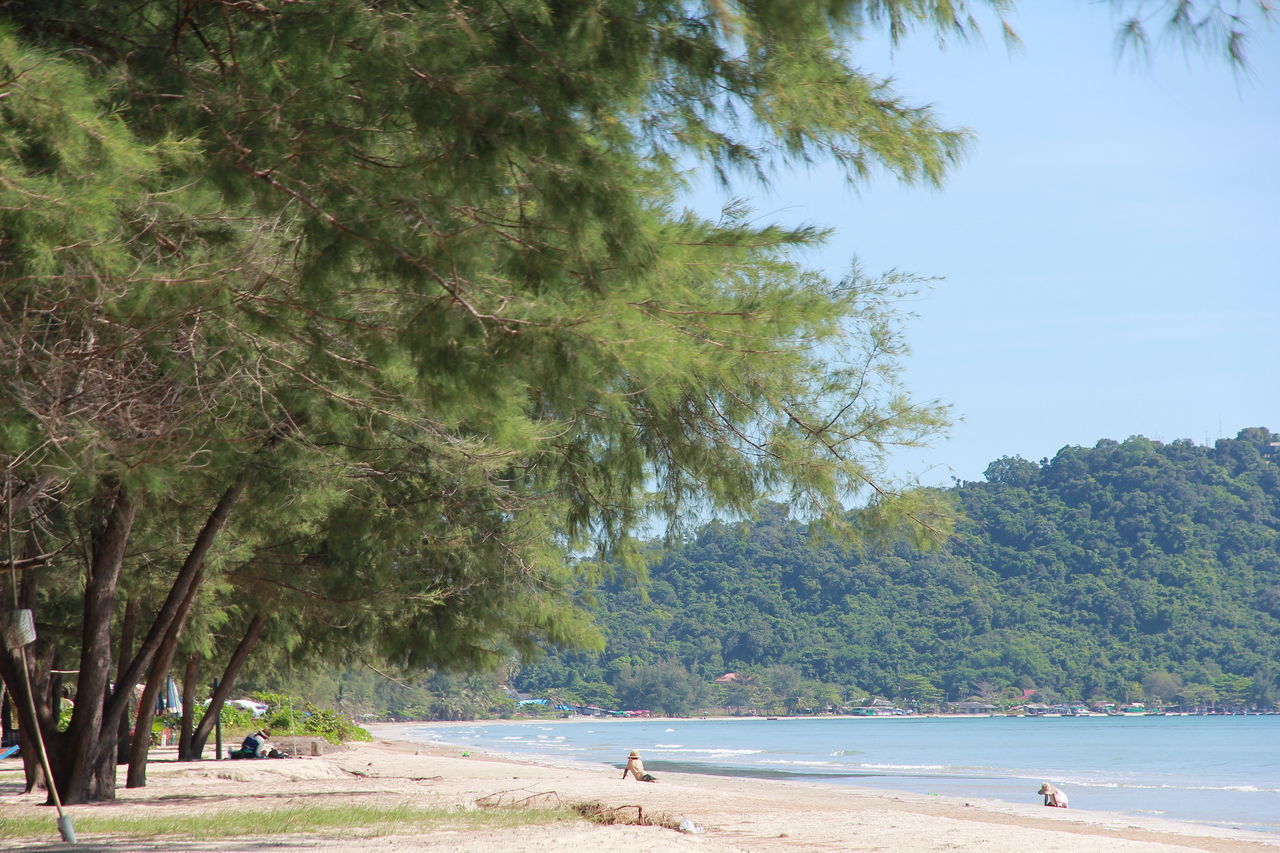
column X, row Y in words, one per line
column 1053, row 796
column 636, row 768
column 255, row 745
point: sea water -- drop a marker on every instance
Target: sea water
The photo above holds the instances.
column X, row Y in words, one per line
column 1220, row 770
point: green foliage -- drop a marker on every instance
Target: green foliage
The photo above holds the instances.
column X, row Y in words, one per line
column 665, row 688
column 500, row 276
column 293, row 716
column 359, row 693
column 1211, row 25
column 64, row 716
column 172, row 722
column 1132, row 570
column 237, row 719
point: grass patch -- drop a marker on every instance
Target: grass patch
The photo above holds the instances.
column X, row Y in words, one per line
column 347, row 820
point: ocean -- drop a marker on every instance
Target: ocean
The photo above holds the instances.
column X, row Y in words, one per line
column 1218, row 770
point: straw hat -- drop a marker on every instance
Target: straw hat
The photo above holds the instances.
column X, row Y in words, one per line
column 635, row 753
column 1045, row 788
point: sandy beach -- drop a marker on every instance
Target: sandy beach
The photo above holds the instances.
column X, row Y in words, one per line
column 732, row 814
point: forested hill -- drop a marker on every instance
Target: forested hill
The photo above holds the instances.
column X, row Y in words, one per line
column 1132, row 569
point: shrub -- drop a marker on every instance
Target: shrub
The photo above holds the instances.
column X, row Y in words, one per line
column 291, row 715
column 237, row 718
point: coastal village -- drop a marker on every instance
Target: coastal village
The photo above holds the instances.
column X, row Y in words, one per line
column 527, row 705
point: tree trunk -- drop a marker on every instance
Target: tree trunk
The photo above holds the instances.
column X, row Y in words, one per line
column 189, row 676
column 127, row 628
column 185, row 585
column 79, row 758
column 104, row 779
column 141, row 745
column 7, row 736
column 158, row 680
column 32, row 769
column 78, row 777
column 32, row 709
column 250, row 639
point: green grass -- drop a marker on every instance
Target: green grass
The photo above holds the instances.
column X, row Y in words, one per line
column 347, row 820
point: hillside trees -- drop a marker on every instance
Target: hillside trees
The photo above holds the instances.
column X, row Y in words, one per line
column 1128, row 570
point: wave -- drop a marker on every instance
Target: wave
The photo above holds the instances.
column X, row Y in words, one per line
column 707, row 750
column 1137, row 786
column 903, row 766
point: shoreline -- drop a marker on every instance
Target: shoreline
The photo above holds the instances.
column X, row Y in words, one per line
column 998, row 791
column 738, row 814
column 1192, row 835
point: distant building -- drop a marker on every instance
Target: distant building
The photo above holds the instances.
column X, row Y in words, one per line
column 971, row 708
column 878, row 708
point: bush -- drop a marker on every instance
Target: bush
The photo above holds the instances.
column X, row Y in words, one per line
column 290, row 715
column 237, row 718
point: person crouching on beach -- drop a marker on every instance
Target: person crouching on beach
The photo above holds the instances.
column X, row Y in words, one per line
column 636, row 768
column 254, row 746
column 1054, row 797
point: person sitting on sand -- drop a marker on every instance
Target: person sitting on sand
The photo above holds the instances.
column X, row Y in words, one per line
column 1055, row 797
column 636, row 768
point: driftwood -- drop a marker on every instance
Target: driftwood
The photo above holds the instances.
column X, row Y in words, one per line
column 392, row 776
column 599, row 813
column 596, row 812
column 506, row 799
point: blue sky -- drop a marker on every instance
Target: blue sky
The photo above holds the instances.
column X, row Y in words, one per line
column 1109, row 248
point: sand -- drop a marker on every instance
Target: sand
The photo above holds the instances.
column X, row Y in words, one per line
column 732, row 814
